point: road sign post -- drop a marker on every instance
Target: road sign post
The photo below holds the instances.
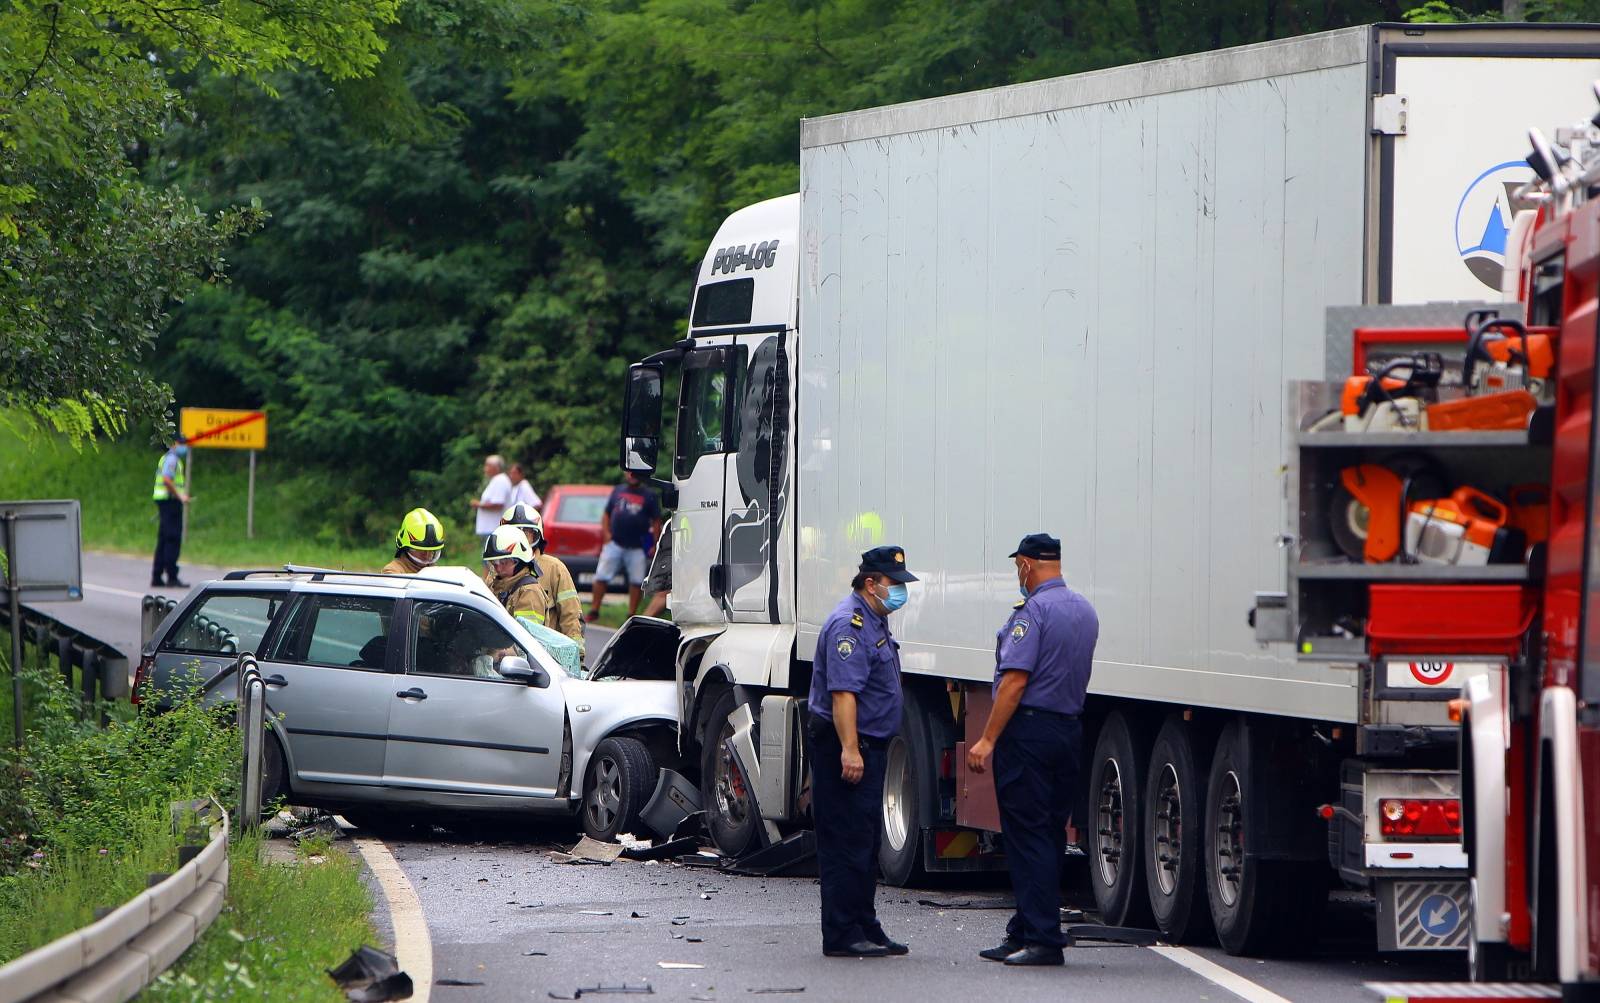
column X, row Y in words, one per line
column 227, row 428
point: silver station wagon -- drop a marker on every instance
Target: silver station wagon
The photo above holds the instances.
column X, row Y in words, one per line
column 412, row 693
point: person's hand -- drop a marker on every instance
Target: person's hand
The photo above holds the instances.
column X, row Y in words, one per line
column 851, row 766
column 475, row 503
column 978, row 755
column 184, row 498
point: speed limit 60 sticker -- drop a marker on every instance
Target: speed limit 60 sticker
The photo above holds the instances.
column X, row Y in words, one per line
column 1424, row 673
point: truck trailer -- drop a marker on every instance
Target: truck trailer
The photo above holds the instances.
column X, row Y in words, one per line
column 1071, row 306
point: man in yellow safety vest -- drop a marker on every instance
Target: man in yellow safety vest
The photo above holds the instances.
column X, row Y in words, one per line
column 170, row 496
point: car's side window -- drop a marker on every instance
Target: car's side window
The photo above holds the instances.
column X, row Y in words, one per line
column 452, row 640
column 225, row 623
column 337, row 631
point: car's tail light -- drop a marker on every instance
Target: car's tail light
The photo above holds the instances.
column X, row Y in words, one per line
column 1420, row 817
column 146, row 663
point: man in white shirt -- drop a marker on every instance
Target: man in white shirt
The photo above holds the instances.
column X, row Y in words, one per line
column 522, row 489
column 496, row 496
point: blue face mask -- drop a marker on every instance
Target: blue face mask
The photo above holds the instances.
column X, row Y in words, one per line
column 895, row 599
column 182, row 451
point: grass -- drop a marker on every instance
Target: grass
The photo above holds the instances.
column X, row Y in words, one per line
column 36, row 909
column 113, row 481
column 283, row 926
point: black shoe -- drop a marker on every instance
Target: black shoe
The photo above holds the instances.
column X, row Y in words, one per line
column 1033, row 954
column 1001, row 951
column 892, row 946
column 175, row 584
column 157, row 584
column 860, row 949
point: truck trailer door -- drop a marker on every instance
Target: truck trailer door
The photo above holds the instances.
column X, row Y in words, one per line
column 1448, row 176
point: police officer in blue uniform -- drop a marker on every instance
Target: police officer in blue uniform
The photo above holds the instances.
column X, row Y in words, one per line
column 855, row 711
column 1043, row 656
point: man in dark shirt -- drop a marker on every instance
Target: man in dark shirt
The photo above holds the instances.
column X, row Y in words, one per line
column 855, row 711
column 1043, row 657
column 632, row 515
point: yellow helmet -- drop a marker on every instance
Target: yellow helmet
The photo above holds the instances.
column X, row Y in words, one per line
column 524, row 516
column 419, row 530
column 507, row 541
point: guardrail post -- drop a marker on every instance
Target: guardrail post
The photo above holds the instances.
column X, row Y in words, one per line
column 252, row 702
column 62, row 640
column 113, row 682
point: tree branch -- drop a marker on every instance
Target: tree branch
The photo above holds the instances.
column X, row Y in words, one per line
column 44, row 57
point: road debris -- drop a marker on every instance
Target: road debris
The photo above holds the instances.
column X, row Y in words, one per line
column 536, row 954
column 456, row 982
column 675, row 799
column 970, row 904
column 642, row 989
column 793, row 856
column 674, row 965
column 371, row 976
column 778, row 991
column 594, row 912
column 1094, row 932
column 650, row 853
column 593, row 849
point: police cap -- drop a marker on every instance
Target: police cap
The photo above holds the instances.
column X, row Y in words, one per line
column 887, row 561
column 1039, row 546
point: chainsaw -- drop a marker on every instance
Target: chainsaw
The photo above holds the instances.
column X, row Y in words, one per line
column 1390, row 400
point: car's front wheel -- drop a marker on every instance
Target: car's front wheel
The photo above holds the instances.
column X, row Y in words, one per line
column 621, row 777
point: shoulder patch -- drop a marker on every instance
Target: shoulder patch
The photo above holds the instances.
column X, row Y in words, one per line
column 1019, row 629
column 856, row 621
column 845, row 646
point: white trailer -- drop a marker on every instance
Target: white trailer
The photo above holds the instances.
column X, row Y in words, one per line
column 1072, row 306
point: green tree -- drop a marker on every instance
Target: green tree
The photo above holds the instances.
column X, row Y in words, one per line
column 90, row 257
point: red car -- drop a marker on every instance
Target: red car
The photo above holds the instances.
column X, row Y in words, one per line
column 572, row 526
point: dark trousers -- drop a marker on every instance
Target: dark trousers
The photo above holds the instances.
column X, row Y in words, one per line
column 848, row 825
column 1035, row 774
column 169, row 539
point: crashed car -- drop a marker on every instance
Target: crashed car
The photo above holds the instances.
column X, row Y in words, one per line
column 415, row 693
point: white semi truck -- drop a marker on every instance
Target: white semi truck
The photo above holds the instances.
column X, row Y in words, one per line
column 1071, row 306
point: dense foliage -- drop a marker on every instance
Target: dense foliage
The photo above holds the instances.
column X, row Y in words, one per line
column 465, row 247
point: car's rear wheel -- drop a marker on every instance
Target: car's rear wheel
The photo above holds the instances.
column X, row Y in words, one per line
column 621, row 777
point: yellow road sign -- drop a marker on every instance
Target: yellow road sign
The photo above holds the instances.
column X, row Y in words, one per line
column 222, row 428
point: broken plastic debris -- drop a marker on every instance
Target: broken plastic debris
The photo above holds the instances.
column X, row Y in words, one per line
column 970, row 904
column 779, row 991
column 594, row 912
column 642, row 989
column 593, row 849
column 636, row 914
column 535, row 954
column 456, row 982
column 677, row 964
column 371, row 976
column 1132, row 936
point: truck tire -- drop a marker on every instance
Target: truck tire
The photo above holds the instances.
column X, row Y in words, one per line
column 730, row 808
column 620, row 779
column 1257, row 907
column 910, row 791
column 1116, row 784
column 1174, row 811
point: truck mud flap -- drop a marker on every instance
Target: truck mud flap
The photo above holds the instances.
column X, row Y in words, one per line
column 1422, row 915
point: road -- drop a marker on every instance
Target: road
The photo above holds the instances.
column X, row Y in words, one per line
column 501, row 913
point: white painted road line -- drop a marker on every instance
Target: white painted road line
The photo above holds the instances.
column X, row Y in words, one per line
column 413, row 948
column 1216, row 974
column 111, row 591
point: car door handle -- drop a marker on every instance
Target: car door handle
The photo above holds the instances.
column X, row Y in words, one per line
column 412, row 694
column 277, row 681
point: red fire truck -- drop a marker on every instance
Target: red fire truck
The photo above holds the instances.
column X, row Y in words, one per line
column 1529, row 810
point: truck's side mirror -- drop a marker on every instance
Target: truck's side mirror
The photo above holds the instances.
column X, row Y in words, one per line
column 641, row 418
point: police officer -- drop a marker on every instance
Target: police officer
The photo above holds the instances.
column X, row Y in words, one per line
column 855, row 711
column 417, row 543
column 170, row 498
column 560, row 609
column 1043, row 656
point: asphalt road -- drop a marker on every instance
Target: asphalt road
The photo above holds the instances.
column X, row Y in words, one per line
column 500, row 912
column 503, row 914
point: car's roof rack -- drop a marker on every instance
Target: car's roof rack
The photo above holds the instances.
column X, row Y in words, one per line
column 320, row 574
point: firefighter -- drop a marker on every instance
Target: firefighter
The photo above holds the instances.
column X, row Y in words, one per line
column 562, row 610
column 1043, row 657
column 417, row 544
column 855, row 711
column 513, row 576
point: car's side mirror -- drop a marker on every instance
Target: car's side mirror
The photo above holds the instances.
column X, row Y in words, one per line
column 517, row 669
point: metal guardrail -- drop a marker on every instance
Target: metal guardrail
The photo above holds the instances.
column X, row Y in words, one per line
column 105, row 669
column 115, row 957
column 252, row 709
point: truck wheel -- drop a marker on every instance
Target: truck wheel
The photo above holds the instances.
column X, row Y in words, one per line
column 1174, row 816
column 730, row 808
column 1258, row 907
column 910, row 794
column 1116, row 782
column 621, row 778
